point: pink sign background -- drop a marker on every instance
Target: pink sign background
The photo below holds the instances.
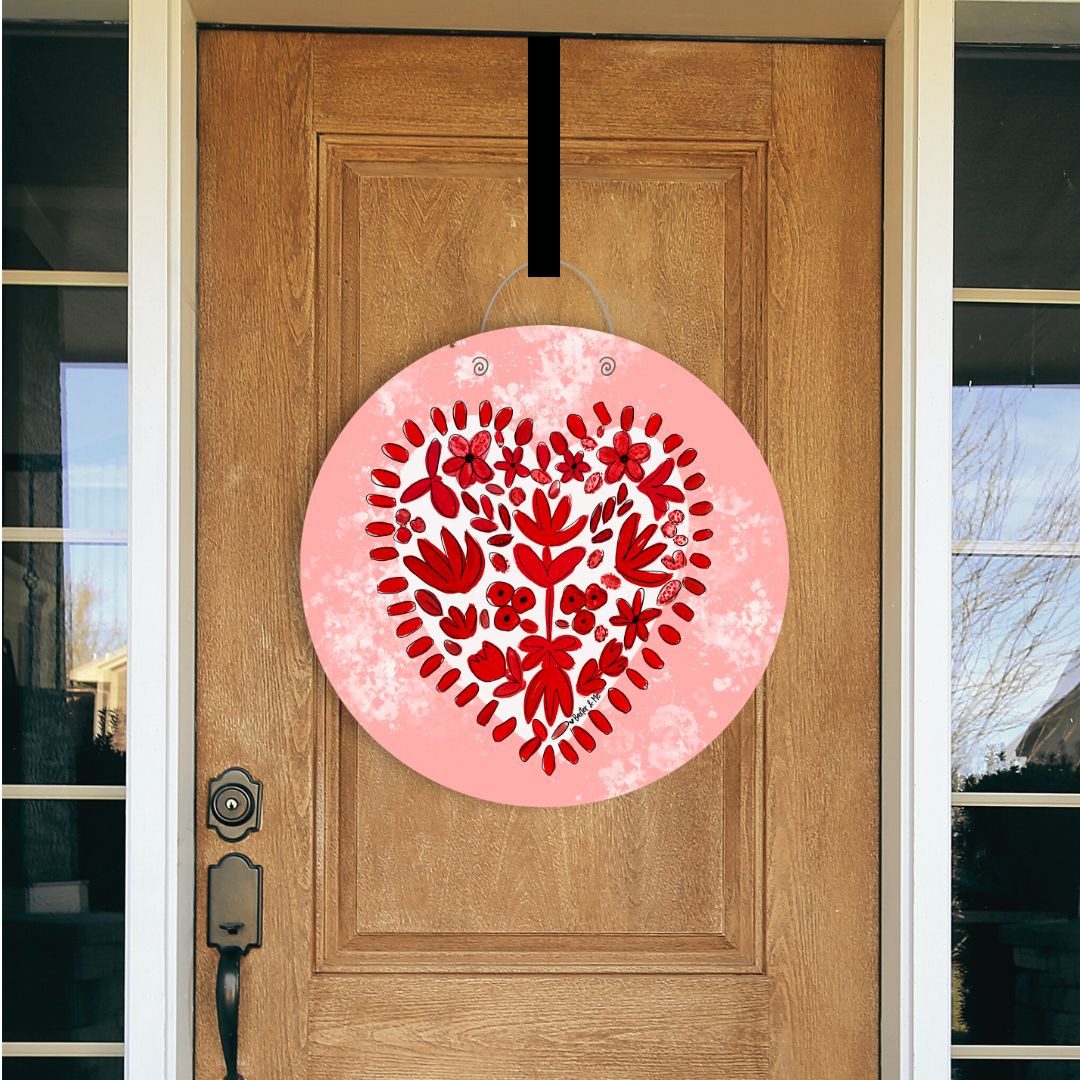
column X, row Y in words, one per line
column 637, row 649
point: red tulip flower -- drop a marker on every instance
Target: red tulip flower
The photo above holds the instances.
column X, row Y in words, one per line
column 545, row 528
column 488, row 664
column 450, row 570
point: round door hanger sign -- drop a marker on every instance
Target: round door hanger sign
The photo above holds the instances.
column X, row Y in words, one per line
column 544, row 566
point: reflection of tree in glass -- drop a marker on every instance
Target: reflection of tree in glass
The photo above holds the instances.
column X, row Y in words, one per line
column 90, row 633
column 1015, row 624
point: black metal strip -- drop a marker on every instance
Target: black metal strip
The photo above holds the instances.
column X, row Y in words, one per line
column 544, row 165
column 412, row 31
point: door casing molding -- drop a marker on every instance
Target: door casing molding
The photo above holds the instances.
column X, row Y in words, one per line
column 161, row 935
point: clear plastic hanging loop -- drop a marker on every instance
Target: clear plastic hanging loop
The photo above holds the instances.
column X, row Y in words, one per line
column 569, row 266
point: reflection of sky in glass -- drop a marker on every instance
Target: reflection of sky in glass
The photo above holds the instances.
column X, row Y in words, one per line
column 93, row 413
column 1047, row 422
column 1040, row 501
column 95, row 432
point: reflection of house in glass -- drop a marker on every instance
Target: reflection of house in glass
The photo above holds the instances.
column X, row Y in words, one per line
column 98, row 689
column 1016, row 882
column 1054, row 735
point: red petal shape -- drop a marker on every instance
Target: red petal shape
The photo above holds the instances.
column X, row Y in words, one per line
column 480, row 443
column 415, row 490
column 443, row 499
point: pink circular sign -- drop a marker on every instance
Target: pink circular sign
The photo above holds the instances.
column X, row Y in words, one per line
column 544, row 566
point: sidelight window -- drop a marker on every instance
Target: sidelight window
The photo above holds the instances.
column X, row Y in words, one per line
column 65, row 447
column 1016, row 566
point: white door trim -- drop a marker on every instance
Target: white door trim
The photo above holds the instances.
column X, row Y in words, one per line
column 916, row 545
column 162, row 811
column 159, row 937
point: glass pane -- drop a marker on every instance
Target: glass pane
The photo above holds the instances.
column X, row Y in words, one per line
column 63, row 1068
column 1015, row 1070
column 63, row 920
column 65, row 663
column 65, row 148
column 65, row 407
column 1016, row 463
column 1016, row 666
column 1016, row 934
column 1016, row 344
column 1017, row 180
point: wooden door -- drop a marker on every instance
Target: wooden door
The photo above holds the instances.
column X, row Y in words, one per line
column 361, row 196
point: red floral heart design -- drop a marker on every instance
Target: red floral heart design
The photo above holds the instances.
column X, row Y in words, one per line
column 539, row 570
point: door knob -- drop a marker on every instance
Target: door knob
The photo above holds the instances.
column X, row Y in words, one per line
column 233, row 927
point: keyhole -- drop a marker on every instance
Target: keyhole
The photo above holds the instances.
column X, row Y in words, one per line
column 231, row 804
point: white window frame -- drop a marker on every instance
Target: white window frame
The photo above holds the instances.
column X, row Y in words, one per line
column 162, row 801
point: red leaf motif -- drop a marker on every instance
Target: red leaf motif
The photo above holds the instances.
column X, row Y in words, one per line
column 450, row 570
column 546, row 571
column 612, row 661
column 540, row 650
column 458, row 623
column 659, row 491
column 515, row 680
column 550, row 687
column 632, row 555
column 442, row 498
column 590, row 681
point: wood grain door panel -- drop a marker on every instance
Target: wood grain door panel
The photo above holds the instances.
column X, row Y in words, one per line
column 361, row 197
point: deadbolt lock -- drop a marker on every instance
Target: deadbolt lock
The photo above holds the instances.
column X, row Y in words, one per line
column 234, row 805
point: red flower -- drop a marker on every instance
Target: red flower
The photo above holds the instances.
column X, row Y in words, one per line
column 468, row 459
column 511, row 464
column 623, row 456
column 660, row 492
column 488, row 664
column 458, row 623
column 545, row 528
column 449, row 571
column 442, row 497
column 573, row 466
column 634, row 619
column 632, row 555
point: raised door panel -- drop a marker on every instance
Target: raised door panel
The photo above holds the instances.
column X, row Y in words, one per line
column 416, row 236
